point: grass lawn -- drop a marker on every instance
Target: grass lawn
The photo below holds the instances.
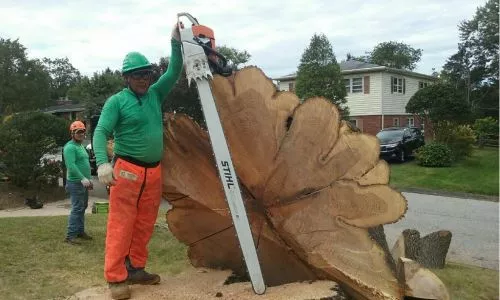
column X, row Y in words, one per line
column 469, row 283
column 477, row 174
column 36, row 264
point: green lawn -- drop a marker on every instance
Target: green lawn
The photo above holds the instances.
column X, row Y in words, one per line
column 36, row 264
column 477, row 174
column 469, row 283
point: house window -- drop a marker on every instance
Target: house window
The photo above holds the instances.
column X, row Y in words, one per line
column 398, row 85
column 357, row 85
column 411, row 122
column 422, row 84
column 291, row 88
column 354, row 122
column 347, row 83
column 395, row 122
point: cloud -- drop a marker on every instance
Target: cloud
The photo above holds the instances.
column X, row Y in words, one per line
column 97, row 34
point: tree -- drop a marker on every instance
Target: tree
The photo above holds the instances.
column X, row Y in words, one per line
column 439, row 102
column 24, row 139
column 62, row 76
column 93, row 91
column 474, row 68
column 24, row 83
column 234, row 56
column 393, row 55
column 319, row 74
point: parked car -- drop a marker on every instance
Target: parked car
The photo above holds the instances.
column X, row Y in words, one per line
column 399, row 142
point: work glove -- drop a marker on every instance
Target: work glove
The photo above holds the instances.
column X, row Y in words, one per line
column 105, row 174
column 86, row 183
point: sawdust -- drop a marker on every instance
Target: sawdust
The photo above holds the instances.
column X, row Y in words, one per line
column 198, row 284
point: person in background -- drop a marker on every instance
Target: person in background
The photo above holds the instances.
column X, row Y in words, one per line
column 78, row 182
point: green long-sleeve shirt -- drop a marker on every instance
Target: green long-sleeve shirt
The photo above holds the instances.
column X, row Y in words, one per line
column 137, row 129
column 76, row 160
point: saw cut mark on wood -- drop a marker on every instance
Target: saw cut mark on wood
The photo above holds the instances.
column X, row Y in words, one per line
column 312, row 189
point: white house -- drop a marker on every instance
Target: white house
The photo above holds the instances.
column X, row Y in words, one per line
column 376, row 95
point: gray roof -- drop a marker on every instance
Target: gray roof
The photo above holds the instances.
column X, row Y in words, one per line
column 64, row 108
column 356, row 66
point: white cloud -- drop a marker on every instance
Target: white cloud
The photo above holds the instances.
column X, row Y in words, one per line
column 97, row 34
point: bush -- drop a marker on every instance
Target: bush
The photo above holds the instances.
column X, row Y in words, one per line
column 434, row 155
column 459, row 138
column 24, row 139
column 486, row 131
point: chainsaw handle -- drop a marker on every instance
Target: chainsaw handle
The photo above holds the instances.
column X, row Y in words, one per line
column 189, row 16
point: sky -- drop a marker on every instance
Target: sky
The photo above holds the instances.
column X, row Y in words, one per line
column 95, row 35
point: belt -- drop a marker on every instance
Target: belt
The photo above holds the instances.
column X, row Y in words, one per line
column 137, row 162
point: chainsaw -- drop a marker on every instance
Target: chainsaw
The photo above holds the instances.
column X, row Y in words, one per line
column 201, row 62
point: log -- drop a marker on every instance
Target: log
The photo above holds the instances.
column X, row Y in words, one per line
column 429, row 251
column 434, row 248
column 420, row 283
column 312, row 188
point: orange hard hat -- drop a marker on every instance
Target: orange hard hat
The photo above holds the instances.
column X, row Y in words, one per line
column 76, row 125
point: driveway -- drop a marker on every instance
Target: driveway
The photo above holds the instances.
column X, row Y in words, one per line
column 473, row 224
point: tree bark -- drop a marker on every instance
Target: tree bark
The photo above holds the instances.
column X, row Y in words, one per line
column 312, row 189
column 430, row 251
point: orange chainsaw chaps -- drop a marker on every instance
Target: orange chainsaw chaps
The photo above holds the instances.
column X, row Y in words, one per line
column 131, row 218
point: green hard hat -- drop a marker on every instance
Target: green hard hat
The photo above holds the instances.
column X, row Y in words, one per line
column 134, row 61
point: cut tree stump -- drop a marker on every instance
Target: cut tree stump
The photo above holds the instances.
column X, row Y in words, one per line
column 312, row 189
column 429, row 251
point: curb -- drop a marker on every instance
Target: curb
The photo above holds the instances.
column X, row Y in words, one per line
column 461, row 195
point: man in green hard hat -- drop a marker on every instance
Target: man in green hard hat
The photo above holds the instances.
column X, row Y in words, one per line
column 134, row 117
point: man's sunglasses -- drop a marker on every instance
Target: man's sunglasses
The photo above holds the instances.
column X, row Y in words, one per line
column 144, row 75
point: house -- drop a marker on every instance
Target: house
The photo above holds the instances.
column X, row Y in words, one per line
column 376, row 95
column 65, row 108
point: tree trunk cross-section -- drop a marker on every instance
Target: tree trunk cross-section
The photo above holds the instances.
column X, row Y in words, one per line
column 312, row 189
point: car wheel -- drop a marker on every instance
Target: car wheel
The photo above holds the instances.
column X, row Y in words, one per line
column 402, row 156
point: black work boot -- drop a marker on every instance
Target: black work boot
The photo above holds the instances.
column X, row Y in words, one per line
column 119, row 290
column 139, row 276
column 84, row 236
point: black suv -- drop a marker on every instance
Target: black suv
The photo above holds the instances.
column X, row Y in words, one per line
column 399, row 142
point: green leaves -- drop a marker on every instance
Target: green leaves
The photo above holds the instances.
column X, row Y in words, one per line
column 319, row 74
column 24, row 83
column 439, row 102
column 234, row 56
column 25, row 138
column 395, row 55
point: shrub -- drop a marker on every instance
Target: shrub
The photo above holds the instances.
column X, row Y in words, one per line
column 434, row 155
column 459, row 138
column 24, row 139
column 486, row 131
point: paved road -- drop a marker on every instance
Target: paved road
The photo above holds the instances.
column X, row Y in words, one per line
column 473, row 224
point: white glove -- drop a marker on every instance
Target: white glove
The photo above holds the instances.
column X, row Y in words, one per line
column 105, row 174
column 86, row 183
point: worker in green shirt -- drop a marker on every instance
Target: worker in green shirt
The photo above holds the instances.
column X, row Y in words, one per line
column 78, row 182
column 134, row 117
